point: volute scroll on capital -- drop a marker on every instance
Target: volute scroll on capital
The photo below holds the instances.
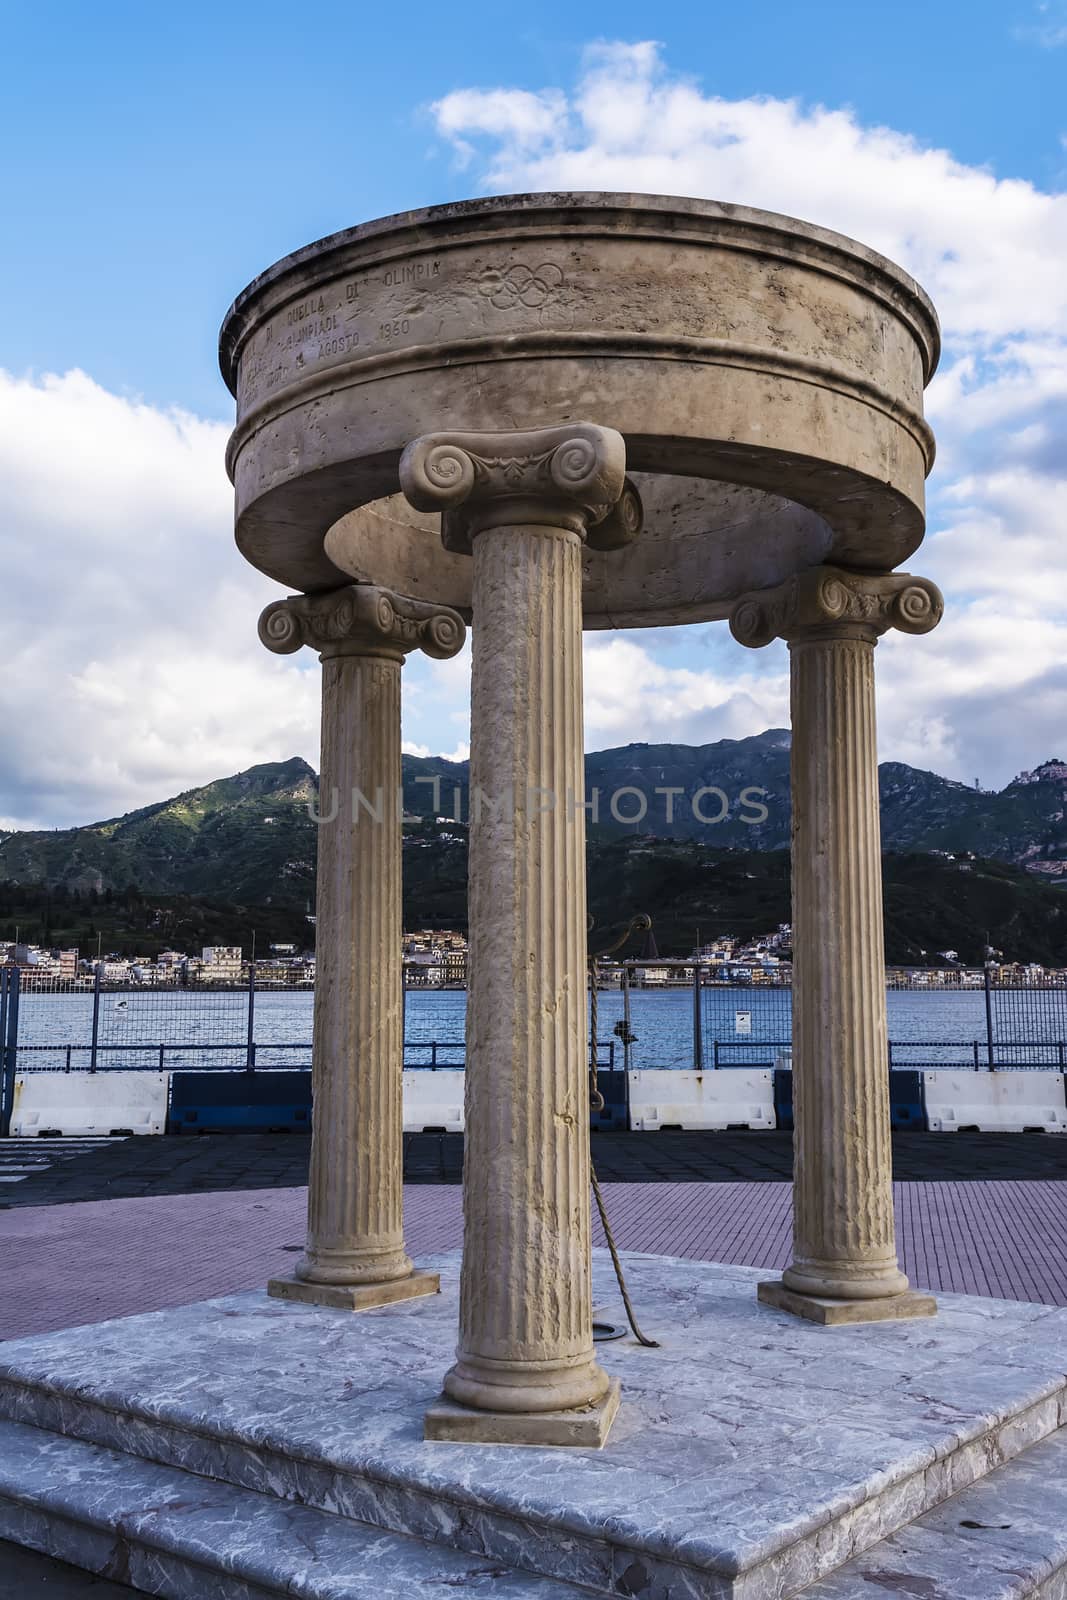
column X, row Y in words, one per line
column 571, row 476
column 362, row 619
column 828, row 600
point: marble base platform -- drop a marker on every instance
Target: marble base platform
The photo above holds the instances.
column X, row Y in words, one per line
column 754, row 1454
column 841, row 1313
column 355, row 1296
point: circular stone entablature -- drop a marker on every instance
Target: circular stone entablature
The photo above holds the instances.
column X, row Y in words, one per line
column 767, row 376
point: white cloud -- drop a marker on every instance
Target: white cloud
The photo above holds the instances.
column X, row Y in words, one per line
column 132, row 668
column 528, row 121
column 989, row 249
column 985, row 694
column 460, row 753
column 630, row 695
column 1049, row 29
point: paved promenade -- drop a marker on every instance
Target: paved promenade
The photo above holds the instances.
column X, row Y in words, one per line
column 70, row 1264
column 60, row 1172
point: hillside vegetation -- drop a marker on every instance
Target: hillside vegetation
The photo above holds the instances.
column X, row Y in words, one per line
column 212, row 864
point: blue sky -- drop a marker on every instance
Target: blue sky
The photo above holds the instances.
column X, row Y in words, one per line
column 153, row 159
column 163, row 155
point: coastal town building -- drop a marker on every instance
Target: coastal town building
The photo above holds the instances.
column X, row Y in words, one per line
column 437, row 958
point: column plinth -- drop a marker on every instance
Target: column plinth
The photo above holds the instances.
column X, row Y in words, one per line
column 526, row 1369
column 845, row 1266
column 355, row 1255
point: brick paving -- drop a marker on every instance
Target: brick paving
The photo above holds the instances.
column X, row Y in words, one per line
column 68, row 1264
column 142, row 1167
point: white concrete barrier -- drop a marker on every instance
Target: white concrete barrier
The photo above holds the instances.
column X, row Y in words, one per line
column 731, row 1098
column 433, row 1100
column 995, row 1102
column 73, row 1103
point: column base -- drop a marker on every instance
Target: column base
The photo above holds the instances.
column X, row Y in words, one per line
column 586, row 1427
column 836, row 1313
column 355, row 1296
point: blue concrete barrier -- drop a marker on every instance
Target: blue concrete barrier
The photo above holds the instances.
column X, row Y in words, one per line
column 783, row 1097
column 615, row 1116
column 235, row 1102
column 906, row 1106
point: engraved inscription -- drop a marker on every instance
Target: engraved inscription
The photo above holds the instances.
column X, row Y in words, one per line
column 521, row 285
column 340, row 345
column 313, row 307
column 403, row 273
column 337, row 321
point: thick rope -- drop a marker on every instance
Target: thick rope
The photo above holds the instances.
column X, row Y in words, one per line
column 652, row 1344
column 596, row 1101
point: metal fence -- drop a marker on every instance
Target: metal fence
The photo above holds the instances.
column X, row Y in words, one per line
column 78, row 1025
column 980, row 1024
column 86, row 1025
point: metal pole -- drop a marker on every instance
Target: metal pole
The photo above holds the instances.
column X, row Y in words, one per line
column 96, row 1022
column 5, row 1098
column 9, row 1051
column 989, row 1018
column 250, row 1040
column 626, row 1018
column 698, row 1032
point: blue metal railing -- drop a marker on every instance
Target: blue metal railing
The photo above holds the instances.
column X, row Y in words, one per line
column 933, row 1053
column 250, row 1050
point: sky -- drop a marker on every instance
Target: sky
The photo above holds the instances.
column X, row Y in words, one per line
column 153, row 159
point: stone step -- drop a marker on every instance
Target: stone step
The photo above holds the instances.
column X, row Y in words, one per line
column 168, row 1532
column 754, row 1454
column 1004, row 1538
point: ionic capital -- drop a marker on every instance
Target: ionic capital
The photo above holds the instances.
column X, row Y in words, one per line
column 361, row 620
column 827, row 602
column 572, row 477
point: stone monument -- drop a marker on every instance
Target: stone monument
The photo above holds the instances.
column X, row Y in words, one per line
column 535, row 413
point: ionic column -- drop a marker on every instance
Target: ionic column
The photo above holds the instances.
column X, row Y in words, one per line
column 844, row 1265
column 355, row 1254
column 523, row 503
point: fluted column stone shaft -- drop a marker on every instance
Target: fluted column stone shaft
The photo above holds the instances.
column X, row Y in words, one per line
column 525, row 504
column 355, row 1251
column 355, row 1212
column 844, row 1245
column 526, row 1300
column 844, row 1237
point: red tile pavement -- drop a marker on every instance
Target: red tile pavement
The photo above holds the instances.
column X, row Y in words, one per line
column 69, row 1264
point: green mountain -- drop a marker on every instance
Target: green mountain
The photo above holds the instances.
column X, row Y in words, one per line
column 245, row 838
column 931, row 903
column 713, row 798
column 712, row 855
